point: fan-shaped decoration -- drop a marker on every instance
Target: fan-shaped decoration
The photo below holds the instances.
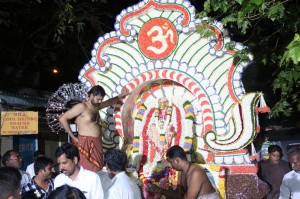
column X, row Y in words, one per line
column 63, row 99
column 185, row 90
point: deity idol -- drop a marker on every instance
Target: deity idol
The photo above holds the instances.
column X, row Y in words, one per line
column 161, row 131
column 159, row 124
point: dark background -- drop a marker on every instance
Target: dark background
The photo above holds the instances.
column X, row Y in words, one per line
column 28, row 52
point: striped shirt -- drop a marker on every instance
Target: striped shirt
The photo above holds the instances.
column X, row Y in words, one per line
column 32, row 185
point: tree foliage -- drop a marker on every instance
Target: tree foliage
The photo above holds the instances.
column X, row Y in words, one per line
column 270, row 29
column 288, row 79
column 37, row 35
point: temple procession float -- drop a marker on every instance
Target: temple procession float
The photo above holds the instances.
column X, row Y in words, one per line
column 185, row 89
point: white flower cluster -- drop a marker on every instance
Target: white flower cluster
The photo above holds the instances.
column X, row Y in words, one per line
column 37, row 193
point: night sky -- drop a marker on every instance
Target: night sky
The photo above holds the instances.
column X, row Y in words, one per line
column 27, row 52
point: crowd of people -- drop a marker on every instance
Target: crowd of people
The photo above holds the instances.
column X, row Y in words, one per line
column 76, row 182
column 80, row 166
column 73, row 181
column 282, row 177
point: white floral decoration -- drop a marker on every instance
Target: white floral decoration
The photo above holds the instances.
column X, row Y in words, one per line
column 37, row 193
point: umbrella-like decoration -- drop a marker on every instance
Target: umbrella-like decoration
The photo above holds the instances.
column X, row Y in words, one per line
column 63, row 99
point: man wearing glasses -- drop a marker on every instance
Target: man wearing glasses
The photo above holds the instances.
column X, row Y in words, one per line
column 12, row 159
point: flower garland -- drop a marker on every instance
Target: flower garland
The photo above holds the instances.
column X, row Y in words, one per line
column 140, row 113
column 136, row 144
column 151, row 149
column 37, row 193
column 187, row 145
column 166, row 178
column 163, row 181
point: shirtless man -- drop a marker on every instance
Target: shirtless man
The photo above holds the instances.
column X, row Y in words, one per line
column 86, row 114
column 193, row 181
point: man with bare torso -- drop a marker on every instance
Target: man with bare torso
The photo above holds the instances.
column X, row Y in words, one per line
column 193, row 182
column 86, row 114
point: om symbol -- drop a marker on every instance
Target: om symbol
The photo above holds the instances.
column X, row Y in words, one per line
column 158, row 38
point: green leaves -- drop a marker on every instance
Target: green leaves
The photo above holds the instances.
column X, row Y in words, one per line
column 257, row 2
column 244, row 12
column 288, row 80
column 282, row 107
column 275, row 12
column 205, row 30
column 241, row 56
column 293, row 51
column 207, row 6
column 266, row 27
column 230, row 45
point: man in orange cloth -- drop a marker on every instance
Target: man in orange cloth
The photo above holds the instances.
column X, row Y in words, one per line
column 86, row 114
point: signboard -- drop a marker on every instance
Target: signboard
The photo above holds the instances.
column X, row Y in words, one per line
column 19, row 123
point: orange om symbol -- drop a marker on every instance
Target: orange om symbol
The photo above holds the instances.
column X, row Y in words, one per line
column 158, row 38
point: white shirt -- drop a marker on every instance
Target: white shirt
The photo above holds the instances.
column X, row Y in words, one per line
column 87, row 181
column 25, row 177
column 105, row 179
column 30, row 170
column 123, row 187
column 290, row 185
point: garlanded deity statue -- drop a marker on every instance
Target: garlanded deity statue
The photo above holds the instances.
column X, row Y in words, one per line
column 159, row 124
column 161, row 131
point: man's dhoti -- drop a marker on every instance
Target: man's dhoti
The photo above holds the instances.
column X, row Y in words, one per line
column 91, row 152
